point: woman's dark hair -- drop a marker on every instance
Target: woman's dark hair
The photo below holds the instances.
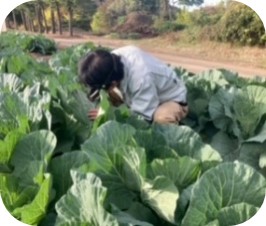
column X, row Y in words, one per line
column 99, row 68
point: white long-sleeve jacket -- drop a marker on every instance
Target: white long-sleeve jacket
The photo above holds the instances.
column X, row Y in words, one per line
column 148, row 82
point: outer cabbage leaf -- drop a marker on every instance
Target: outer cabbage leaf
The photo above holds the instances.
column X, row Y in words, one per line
column 28, row 104
column 182, row 171
column 224, row 190
column 120, row 167
column 60, row 169
column 7, row 146
column 109, row 137
column 10, row 82
column 155, row 145
column 249, row 107
column 162, row 196
column 187, row 142
column 34, row 151
column 83, row 203
column 226, row 146
column 34, row 212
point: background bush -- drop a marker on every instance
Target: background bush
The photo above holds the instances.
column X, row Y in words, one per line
column 241, row 25
column 161, row 26
column 101, row 22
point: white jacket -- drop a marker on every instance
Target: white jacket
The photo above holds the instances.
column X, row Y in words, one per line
column 148, row 82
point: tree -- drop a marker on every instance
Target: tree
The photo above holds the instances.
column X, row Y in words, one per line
column 59, row 16
column 42, row 9
column 27, row 11
column 188, row 2
column 83, row 14
column 38, row 16
column 69, row 5
column 14, row 19
column 101, row 23
column 23, row 17
column 52, row 11
column 166, row 9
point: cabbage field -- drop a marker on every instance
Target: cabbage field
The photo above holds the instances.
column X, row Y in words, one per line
column 59, row 168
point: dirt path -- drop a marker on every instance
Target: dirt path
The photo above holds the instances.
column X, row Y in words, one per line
column 191, row 63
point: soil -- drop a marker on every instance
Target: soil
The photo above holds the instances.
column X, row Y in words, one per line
column 193, row 63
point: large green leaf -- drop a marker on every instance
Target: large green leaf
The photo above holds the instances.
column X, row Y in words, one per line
column 141, row 212
column 216, row 77
column 83, row 203
column 13, row 194
column 7, row 146
column 220, row 108
column 250, row 106
column 19, row 63
column 60, row 169
column 250, row 153
column 224, row 190
column 109, row 137
column 77, row 104
column 226, row 146
column 34, row 212
column 123, row 175
column 125, row 219
column 236, row 214
column 10, row 82
column 28, row 104
column 162, row 196
column 182, row 171
column 118, row 193
column 34, row 147
column 154, row 144
column 201, row 88
column 260, row 135
column 187, row 142
column 120, row 167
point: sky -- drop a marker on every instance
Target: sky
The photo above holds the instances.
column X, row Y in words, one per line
column 207, row 3
column 211, row 2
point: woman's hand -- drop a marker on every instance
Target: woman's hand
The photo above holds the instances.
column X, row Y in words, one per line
column 93, row 114
column 115, row 96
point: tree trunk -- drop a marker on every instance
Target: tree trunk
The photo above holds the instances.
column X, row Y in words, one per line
column 24, row 20
column 70, row 22
column 59, row 16
column 32, row 27
column 30, row 24
column 53, row 21
column 14, row 19
column 39, row 19
column 165, row 9
column 44, row 19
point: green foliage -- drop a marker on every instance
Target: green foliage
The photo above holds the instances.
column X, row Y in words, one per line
column 83, row 13
column 162, row 26
column 185, row 17
column 59, row 168
column 234, row 23
column 190, row 2
column 29, row 43
column 241, row 25
column 137, row 22
column 101, row 22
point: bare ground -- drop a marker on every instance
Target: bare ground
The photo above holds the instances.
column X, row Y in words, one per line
column 190, row 60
